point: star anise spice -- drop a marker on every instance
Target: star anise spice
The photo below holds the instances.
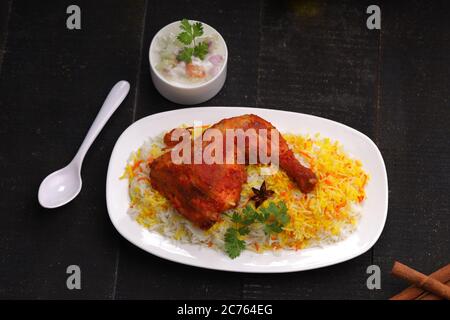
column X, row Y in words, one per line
column 261, row 195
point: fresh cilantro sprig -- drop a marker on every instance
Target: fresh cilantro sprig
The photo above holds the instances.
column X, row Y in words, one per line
column 233, row 245
column 187, row 37
column 185, row 54
column 201, row 50
column 274, row 217
column 190, row 31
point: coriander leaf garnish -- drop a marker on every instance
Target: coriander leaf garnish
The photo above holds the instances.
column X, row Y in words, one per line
column 244, row 230
column 201, row 50
column 249, row 215
column 236, row 218
column 233, row 245
column 185, row 54
column 274, row 217
column 187, row 36
column 186, row 26
column 197, row 29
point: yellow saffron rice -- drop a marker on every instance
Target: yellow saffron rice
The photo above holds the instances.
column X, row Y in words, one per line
column 327, row 214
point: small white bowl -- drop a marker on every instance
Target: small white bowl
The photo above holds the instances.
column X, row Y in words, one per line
column 182, row 93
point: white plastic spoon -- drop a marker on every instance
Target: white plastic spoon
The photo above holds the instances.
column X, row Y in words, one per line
column 62, row 186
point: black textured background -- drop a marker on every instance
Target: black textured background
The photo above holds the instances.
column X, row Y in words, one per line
column 314, row 57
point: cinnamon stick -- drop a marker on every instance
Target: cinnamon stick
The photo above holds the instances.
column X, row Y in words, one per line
column 431, row 296
column 420, row 280
column 414, row 292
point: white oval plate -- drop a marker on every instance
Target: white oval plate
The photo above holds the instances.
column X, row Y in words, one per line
column 374, row 209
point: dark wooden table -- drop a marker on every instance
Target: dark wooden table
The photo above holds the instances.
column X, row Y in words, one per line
column 315, row 57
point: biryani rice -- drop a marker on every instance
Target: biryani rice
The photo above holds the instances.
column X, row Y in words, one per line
column 327, row 214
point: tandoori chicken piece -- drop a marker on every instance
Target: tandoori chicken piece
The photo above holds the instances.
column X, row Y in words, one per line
column 201, row 192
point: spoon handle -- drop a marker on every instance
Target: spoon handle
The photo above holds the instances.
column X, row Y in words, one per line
column 112, row 102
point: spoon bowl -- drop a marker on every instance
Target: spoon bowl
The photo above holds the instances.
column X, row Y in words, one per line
column 60, row 187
